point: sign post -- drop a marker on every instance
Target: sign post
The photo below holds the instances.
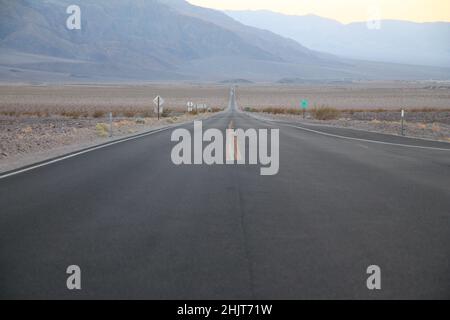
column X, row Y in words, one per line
column 158, row 101
column 110, row 124
column 304, row 105
column 403, row 122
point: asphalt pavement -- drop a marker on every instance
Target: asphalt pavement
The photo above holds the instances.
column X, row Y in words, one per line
column 141, row 227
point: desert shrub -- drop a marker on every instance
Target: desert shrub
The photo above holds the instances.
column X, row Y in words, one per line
column 99, row 114
column 165, row 113
column 421, row 126
column 102, row 129
column 435, row 127
column 9, row 113
column 325, row 113
column 427, row 109
column 129, row 113
column 353, row 111
column 140, row 121
column 74, row 114
column 147, row 114
column 27, row 130
column 273, row 110
column 294, row 111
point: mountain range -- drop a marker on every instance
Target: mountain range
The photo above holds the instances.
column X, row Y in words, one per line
column 135, row 40
column 394, row 41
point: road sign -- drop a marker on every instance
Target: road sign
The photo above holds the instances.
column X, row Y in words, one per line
column 304, row 104
column 190, row 106
column 158, row 101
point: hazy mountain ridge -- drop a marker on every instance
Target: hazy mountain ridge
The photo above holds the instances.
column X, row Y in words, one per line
column 117, row 34
column 285, row 48
column 396, row 41
column 161, row 40
column 132, row 27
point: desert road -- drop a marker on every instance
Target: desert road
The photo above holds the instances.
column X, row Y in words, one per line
column 141, row 227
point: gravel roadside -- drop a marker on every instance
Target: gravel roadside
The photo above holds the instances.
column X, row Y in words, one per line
column 422, row 127
column 28, row 140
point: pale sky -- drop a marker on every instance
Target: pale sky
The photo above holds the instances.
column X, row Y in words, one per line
column 343, row 10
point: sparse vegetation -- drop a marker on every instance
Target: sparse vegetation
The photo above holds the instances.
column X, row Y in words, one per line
column 75, row 114
column 129, row 113
column 322, row 113
column 424, row 115
column 345, row 97
column 102, row 130
column 436, row 127
column 425, row 110
column 77, row 102
column 421, row 126
column 325, row 113
column 70, row 115
column 166, row 113
column 273, row 110
column 99, row 114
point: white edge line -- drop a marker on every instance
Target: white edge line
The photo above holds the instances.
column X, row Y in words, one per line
column 83, row 152
column 354, row 139
column 62, row 158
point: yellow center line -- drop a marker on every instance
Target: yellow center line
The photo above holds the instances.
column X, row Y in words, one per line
column 233, row 149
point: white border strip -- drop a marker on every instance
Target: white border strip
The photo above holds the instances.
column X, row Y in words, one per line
column 138, row 136
column 354, row 139
column 83, row 152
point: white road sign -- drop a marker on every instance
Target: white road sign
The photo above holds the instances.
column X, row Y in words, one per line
column 190, row 106
column 161, row 101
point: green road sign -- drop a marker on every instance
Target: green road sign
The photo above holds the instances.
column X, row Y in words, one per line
column 305, row 104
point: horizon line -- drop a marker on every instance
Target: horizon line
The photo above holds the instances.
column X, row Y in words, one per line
column 328, row 18
column 343, row 21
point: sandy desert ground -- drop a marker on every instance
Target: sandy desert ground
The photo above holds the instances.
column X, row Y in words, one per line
column 123, row 100
column 364, row 95
column 370, row 106
column 41, row 122
column 38, row 122
column 85, row 100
